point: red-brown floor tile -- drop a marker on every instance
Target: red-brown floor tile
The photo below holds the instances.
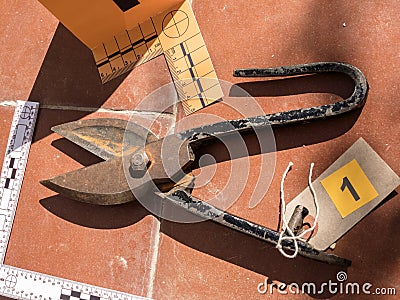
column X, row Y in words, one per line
column 7, row 114
column 26, row 32
column 204, row 260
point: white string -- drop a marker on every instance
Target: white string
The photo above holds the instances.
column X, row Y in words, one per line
column 285, row 223
column 285, row 226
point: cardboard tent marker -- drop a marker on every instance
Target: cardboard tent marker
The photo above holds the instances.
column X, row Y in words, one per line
column 123, row 34
column 357, row 182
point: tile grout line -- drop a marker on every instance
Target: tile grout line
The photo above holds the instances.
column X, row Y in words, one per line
column 8, row 103
column 94, row 109
column 154, row 259
column 157, row 236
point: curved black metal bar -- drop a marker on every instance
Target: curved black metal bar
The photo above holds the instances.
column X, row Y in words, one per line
column 356, row 100
column 209, row 212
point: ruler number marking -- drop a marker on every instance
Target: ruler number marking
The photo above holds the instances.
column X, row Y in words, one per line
column 347, row 184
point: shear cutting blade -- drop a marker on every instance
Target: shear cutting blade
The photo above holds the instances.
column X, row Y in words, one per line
column 105, row 138
column 102, row 184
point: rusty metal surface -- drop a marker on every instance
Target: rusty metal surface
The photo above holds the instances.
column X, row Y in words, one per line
column 295, row 223
column 104, row 137
column 170, row 158
column 103, row 183
column 108, row 182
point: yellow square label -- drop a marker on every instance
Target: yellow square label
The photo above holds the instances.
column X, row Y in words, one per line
column 349, row 188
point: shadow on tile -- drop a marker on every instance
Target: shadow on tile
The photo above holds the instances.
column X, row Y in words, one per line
column 76, row 152
column 293, row 136
column 286, row 137
column 335, row 83
column 95, row 216
column 249, row 253
column 263, row 258
column 48, row 118
column 69, row 76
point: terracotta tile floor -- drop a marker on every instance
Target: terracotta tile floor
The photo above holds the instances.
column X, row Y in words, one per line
column 127, row 248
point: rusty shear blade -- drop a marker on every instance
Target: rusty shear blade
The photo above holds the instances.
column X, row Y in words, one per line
column 106, row 183
column 102, row 184
column 104, row 137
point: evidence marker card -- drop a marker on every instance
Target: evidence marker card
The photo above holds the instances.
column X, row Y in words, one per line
column 124, row 34
column 347, row 191
column 187, row 57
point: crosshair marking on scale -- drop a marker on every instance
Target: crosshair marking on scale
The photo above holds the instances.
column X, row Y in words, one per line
column 175, row 24
column 11, row 281
column 26, row 112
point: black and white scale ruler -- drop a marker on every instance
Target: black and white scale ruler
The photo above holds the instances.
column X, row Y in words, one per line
column 19, row 283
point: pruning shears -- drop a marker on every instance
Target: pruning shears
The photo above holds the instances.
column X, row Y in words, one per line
column 137, row 162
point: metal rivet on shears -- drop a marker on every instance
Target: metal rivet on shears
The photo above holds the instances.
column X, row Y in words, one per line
column 139, row 161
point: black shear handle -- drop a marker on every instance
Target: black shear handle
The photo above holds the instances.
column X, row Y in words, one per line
column 209, row 212
column 357, row 99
